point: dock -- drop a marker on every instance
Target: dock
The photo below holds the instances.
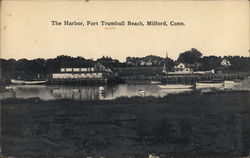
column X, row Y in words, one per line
column 86, row 81
column 82, row 81
column 184, row 78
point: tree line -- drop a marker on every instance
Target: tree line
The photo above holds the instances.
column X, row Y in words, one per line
column 41, row 68
column 194, row 56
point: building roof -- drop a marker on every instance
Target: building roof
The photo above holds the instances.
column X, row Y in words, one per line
column 189, row 65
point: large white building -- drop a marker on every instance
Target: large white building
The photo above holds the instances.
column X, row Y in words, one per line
column 95, row 71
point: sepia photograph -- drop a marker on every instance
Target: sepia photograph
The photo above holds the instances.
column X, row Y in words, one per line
column 125, row 79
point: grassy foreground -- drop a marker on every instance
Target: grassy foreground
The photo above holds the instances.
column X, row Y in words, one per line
column 191, row 125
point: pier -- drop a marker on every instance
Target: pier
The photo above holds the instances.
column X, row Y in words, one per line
column 86, row 81
column 183, row 78
column 191, row 79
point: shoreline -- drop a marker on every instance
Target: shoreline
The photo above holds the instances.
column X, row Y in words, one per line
column 167, row 79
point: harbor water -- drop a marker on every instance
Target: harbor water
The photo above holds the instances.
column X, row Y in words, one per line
column 107, row 92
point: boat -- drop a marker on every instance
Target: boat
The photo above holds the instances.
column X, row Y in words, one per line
column 17, row 81
column 34, row 82
column 155, row 82
column 142, row 92
column 209, row 84
column 236, row 82
column 231, row 84
column 9, row 88
column 13, row 81
column 175, row 86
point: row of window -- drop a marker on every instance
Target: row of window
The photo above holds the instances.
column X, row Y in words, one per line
column 77, row 69
column 78, row 75
column 90, row 73
column 186, row 69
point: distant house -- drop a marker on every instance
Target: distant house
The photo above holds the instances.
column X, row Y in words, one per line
column 142, row 63
column 182, row 68
column 93, row 71
column 106, row 68
column 225, row 63
column 149, row 63
column 102, row 68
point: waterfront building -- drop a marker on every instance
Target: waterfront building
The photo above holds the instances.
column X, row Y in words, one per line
column 95, row 71
column 183, row 68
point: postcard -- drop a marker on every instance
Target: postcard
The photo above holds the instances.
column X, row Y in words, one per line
column 125, row 79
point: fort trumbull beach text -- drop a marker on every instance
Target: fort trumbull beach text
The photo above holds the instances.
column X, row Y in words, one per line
column 117, row 23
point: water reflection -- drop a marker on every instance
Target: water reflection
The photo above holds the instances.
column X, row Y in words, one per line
column 108, row 92
column 87, row 92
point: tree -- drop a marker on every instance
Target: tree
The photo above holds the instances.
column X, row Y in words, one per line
column 169, row 63
column 238, row 63
column 190, row 56
column 210, row 62
column 110, row 62
column 38, row 66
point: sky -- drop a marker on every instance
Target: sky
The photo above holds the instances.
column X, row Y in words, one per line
column 213, row 27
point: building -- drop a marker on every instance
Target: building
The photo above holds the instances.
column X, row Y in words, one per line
column 225, row 63
column 182, row 68
column 95, row 71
